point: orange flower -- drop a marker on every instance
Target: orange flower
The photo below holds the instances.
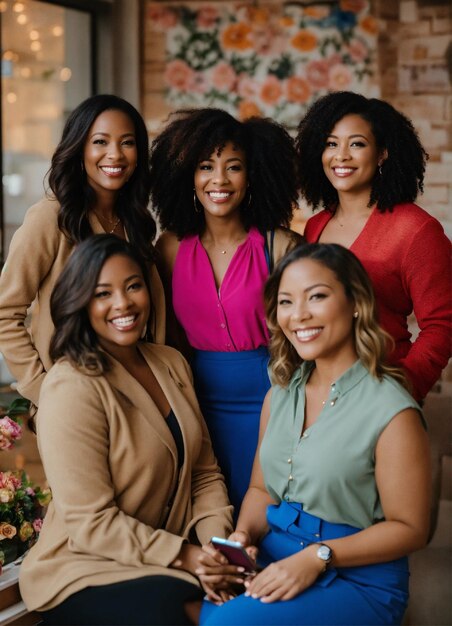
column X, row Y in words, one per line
column 352, row 6
column 316, row 12
column 286, row 21
column 236, row 37
column 369, row 24
column 271, row 90
column 304, row 40
column 258, row 15
column 248, row 109
column 297, row 89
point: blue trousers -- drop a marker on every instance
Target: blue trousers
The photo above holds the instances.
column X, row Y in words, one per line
column 231, row 387
column 366, row 595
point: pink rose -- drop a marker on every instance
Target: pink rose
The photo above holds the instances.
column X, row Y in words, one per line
column 178, row 75
column 5, row 443
column 161, row 18
column 357, row 50
column 317, row 74
column 247, row 87
column 37, row 525
column 340, row 77
column 10, row 428
column 223, row 77
column 206, row 17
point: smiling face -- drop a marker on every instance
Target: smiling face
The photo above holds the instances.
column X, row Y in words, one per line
column 351, row 157
column 120, row 306
column 315, row 314
column 110, row 153
column 221, row 181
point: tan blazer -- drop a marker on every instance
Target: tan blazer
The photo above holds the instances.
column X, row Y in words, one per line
column 120, row 509
column 37, row 255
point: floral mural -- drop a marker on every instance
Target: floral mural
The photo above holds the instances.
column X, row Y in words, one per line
column 270, row 60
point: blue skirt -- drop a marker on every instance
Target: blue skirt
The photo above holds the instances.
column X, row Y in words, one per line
column 231, row 387
column 347, row 596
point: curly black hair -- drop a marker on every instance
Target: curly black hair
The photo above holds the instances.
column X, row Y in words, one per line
column 191, row 136
column 73, row 336
column 402, row 173
column 68, row 182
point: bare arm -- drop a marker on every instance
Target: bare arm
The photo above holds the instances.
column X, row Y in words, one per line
column 167, row 247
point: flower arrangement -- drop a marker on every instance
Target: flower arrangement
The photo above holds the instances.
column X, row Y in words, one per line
column 21, row 514
column 22, row 504
column 270, row 60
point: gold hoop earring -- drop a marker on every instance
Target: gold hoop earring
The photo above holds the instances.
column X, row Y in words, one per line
column 195, row 203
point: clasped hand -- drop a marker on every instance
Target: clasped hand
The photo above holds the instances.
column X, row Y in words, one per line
column 281, row 580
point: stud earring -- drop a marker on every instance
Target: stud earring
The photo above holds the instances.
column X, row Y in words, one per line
column 195, row 203
column 355, row 314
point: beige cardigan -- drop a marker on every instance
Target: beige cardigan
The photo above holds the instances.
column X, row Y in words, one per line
column 37, row 255
column 120, row 508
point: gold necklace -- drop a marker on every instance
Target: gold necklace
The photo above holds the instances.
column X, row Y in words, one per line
column 106, row 219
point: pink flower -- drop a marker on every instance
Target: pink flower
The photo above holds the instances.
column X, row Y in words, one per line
column 340, row 77
column 317, row 74
column 268, row 40
column 5, row 443
column 357, row 50
column 334, row 59
column 9, row 481
column 178, row 75
column 206, row 17
column 29, row 491
column 247, row 87
column 10, row 428
column 224, row 77
column 271, row 90
column 37, row 525
column 161, row 18
column 197, row 83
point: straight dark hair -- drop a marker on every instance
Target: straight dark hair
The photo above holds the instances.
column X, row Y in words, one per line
column 74, row 337
column 68, row 182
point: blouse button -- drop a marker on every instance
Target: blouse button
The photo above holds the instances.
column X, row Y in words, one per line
column 305, row 435
column 287, row 498
column 222, row 325
column 289, row 460
column 290, row 477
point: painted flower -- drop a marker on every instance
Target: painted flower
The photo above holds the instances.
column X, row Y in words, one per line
column 237, row 37
column 357, row 50
column 10, row 428
column 198, row 83
column 6, row 495
column 26, row 531
column 223, row 77
column 248, row 109
column 271, row 90
column 7, row 531
column 258, row 15
column 206, row 17
column 353, row 6
column 286, row 21
column 369, row 25
column 37, row 525
column 304, row 40
column 297, row 89
column 247, row 87
column 317, row 74
column 317, row 13
column 340, row 77
column 161, row 18
column 178, row 75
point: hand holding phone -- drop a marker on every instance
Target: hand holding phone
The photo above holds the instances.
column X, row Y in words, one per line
column 235, row 553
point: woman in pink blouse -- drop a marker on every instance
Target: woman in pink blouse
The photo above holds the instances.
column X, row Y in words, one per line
column 222, row 188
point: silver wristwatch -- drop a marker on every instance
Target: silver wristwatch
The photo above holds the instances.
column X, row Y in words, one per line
column 324, row 553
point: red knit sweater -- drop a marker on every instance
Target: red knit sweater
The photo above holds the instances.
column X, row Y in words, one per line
column 408, row 258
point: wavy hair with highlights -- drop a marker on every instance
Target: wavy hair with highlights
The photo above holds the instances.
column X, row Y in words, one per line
column 371, row 341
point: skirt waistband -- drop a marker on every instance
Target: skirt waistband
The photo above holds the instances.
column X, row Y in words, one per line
column 244, row 355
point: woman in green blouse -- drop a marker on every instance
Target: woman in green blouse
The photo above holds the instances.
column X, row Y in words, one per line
column 339, row 493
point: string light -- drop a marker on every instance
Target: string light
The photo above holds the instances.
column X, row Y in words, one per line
column 22, row 19
column 33, row 34
column 35, row 46
column 18, row 7
column 57, row 31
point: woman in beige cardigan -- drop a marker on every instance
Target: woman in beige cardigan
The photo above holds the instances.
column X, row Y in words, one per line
column 127, row 455
column 99, row 178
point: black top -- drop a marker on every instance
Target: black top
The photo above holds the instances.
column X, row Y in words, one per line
column 174, row 427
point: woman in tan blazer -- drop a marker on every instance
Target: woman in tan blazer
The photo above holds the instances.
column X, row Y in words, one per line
column 136, row 487
column 99, row 178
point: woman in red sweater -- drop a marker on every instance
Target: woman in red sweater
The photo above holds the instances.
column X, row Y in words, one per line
column 362, row 161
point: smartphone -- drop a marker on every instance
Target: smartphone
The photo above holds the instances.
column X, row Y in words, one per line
column 235, row 553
